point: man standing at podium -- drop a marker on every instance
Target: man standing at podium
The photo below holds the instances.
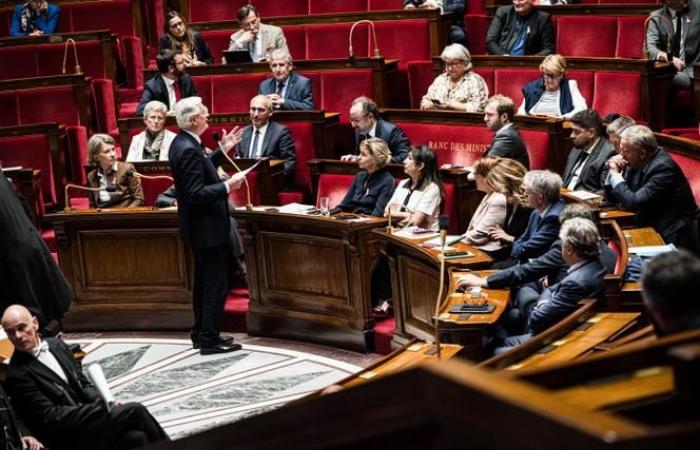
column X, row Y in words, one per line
column 203, row 219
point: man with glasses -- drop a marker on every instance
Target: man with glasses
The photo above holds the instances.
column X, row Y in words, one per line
column 266, row 139
column 365, row 120
column 170, row 85
column 259, row 39
column 520, row 29
column 286, row 89
column 507, row 142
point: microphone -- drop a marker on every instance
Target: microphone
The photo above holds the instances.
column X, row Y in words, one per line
column 66, row 197
column 444, row 223
column 351, row 52
column 217, row 139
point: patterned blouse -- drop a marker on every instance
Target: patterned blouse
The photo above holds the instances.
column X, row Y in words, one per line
column 471, row 90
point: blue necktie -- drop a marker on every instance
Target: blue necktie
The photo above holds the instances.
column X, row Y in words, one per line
column 254, row 149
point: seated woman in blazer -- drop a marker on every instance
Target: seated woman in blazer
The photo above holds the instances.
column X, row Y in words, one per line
column 552, row 94
column 373, row 185
column 153, row 143
column 180, row 38
column 491, row 212
column 118, row 187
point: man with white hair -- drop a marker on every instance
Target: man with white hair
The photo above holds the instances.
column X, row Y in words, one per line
column 203, row 219
column 286, row 90
column 653, row 186
column 585, row 279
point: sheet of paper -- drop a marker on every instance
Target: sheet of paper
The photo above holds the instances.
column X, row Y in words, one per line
column 584, row 195
column 296, row 208
column 249, row 169
column 652, row 250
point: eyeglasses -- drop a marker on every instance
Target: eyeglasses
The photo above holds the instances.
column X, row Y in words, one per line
column 549, row 76
column 177, row 24
column 357, row 119
column 453, row 63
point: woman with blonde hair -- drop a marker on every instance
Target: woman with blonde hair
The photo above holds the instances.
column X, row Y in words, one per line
column 459, row 88
column 373, row 185
column 118, row 188
column 552, row 94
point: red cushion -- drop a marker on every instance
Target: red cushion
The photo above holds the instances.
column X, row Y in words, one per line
column 266, row 8
column 618, row 93
column 127, row 110
column 691, row 169
column 115, row 15
column 296, row 41
column 24, row 62
column 510, row 82
column 335, row 40
column 218, row 41
column 584, row 79
column 460, row 145
column 476, row 26
column 5, row 20
column 488, row 75
column 333, row 6
column 537, row 143
column 341, row 87
column 9, row 109
column 104, row 105
column 570, row 29
column 51, row 104
column 630, row 37
column 382, row 5
column 449, row 208
column 209, row 11
column 90, row 56
column 31, row 152
column 232, row 93
column 315, row 78
column 203, row 85
column 394, row 35
column 420, row 76
column 303, row 135
column 285, row 198
column 133, row 60
column 475, row 7
column 76, row 136
column 238, row 196
column 334, row 186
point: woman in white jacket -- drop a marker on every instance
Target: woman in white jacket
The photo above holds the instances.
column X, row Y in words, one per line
column 153, row 143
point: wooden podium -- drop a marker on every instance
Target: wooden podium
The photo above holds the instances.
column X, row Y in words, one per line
column 128, row 267
column 309, row 276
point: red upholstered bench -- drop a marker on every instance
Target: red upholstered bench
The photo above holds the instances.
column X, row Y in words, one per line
column 239, row 197
column 618, row 93
column 383, row 5
column 420, row 77
column 476, row 26
column 152, row 188
column 691, row 169
column 209, row 11
column 405, row 40
column 337, row 6
column 510, row 82
column 601, row 30
column 334, row 186
column 334, row 43
column 630, row 37
column 460, row 145
column 217, row 40
column 232, row 93
column 340, row 87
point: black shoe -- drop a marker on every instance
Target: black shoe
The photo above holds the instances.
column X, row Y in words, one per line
column 223, row 340
column 219, row 349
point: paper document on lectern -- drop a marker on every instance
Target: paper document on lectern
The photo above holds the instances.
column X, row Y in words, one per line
column 295, row 208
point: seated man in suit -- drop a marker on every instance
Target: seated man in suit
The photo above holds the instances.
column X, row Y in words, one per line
column 14, row 437
column 615, row 128
column 520, row 29
column 254, row 36
column 673, row 35
column 507, row 142
column 49, row 391
column 457, row 34
column 669, row 282
column 266, row 139
column 586, row 166
column 170, row 85
column 584, row 279
column 542, row 187
column 365, row 120
column 653, row 186
column 286, row 89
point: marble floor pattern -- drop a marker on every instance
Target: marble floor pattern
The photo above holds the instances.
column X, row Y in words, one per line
column 189, row 393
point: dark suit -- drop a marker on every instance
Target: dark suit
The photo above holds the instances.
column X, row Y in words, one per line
column 203, row 219
column 298, row 93
column 201, row 49
column 128, row 189
column 155, row 89
column 277, row 144
column 502, row 32
column 395, row 138
column 659, row 195
column 594, row 168
column 457, row 34
column 539, row 235
column 69, row 415
column 508, row 143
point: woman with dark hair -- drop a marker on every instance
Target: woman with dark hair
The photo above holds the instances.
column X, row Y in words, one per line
column 416, row 201
column 182, row 39
column 34, row 18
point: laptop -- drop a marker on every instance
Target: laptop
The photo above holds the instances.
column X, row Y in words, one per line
column 237, row 56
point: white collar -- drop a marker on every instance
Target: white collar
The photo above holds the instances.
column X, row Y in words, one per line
column 194, row 135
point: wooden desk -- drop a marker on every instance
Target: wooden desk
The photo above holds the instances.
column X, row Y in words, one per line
column 309, row 277
column 415, row 275
column 642, row 237
column 129, row 269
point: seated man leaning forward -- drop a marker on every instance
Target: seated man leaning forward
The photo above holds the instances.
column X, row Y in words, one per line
column 50, row 392
column 256, row 37
column 286, row 89
column 585, row 279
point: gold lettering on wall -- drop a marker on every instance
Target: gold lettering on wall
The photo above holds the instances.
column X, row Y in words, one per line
column 461, row 147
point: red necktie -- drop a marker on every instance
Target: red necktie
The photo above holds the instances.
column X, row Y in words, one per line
column 176, row 87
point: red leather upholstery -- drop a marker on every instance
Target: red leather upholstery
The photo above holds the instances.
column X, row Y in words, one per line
column 510, row 82
column 233, row 93
column 618, row 93
column 24, row 62
column 475, row 7
column 691, row 169
column 334, row 41
column 420, row 76
column 630, row 37
column 238, row 196
column 460, row 145
column 32, row 151
column 104, row 105
column 601, row 30
column 334, row 186
column 335, row 6
column 340, row 87
column 133, row 61
column 476, row 26
column 405, row 40
column 209, row 11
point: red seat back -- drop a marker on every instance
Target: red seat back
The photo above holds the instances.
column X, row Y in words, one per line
column 238, row 196
column 334, row 43
column 570, row 29
column 489, row 78
column 9, row 109
column 296, row 41
column 383, row 5
column 31, row 151
column 209, row 11
column 152, row 188
column 584, row 80
column 537, row 143
column 50, row 104
column 630, row 37
column 510, row 82
column 116, row 15
column 691, row 169
column 449, row 208
column 316, row 91
column 203, row 85
column 232, row 93
column 336, row 6
column 476, row 26
column 303, row 134
column 265, row 8
column 50, row 59
column 420, row 77
column 340, row 87
column 334, row 186
column 24, row 62
column 218, row 41
column 618, row 93
column 405, row 40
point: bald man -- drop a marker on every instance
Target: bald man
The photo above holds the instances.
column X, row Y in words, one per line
column 49, row 391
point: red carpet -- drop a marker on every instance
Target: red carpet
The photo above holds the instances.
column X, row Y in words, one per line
column 236, row 309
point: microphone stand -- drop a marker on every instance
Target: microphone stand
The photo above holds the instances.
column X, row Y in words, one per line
column 444, row 226
column 68, row 209
column 351, row 52
column 249, row 204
